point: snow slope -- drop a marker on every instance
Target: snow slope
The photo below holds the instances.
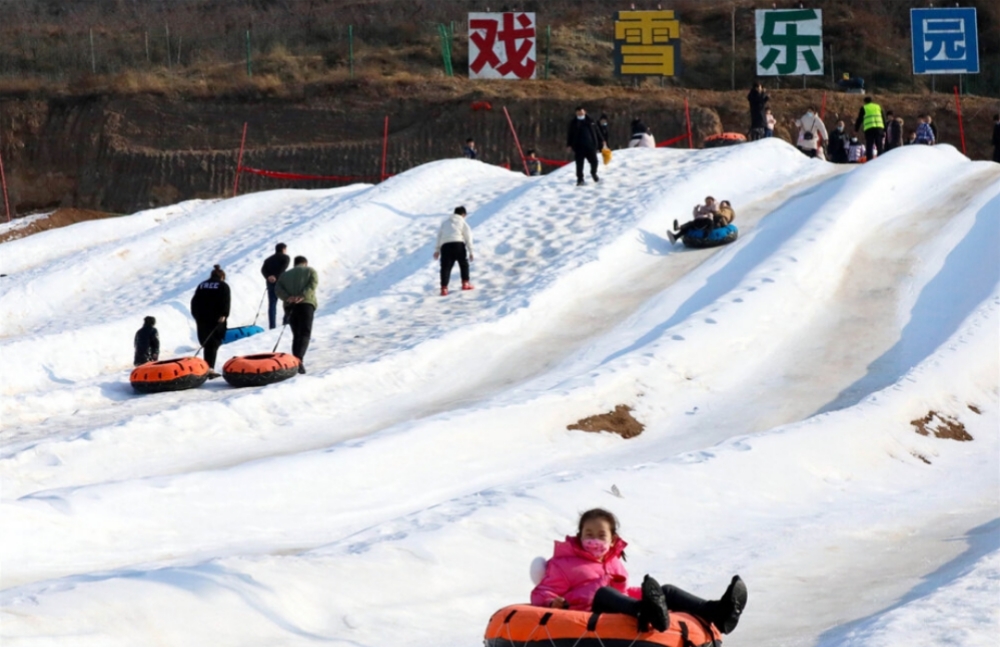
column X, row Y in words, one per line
column 398, row 492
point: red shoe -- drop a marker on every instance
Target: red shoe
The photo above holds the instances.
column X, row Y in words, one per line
column 467, row 286
column 444, row 292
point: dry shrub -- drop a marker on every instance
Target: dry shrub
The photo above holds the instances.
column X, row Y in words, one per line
column 941, row 426
column 620, row 421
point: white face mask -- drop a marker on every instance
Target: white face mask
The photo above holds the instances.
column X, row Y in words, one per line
column 581, row 117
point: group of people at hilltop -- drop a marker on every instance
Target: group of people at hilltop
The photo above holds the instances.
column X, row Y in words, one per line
column 880, row 131
column 210, row 307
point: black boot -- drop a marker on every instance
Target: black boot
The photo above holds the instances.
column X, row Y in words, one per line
column 654, row 605
column 725, row 612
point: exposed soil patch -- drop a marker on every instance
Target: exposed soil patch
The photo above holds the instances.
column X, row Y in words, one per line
column 976, row 410
column 619, row 421
column 921, row 457
column 941, row 426
column 56, row 219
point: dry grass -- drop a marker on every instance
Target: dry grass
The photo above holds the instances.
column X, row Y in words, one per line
column 620, row 421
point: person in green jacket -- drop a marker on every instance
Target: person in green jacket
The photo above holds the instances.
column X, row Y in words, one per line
column 871, row 119
column 297, row 290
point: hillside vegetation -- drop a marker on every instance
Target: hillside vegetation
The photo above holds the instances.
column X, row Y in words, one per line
column 198, row 47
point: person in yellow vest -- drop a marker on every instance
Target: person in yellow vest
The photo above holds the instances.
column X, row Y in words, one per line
column 871, row 119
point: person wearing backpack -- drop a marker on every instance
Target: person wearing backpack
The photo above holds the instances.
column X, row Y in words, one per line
column 811, row 128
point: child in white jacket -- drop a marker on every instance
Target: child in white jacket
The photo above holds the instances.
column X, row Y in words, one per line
column 454, row 243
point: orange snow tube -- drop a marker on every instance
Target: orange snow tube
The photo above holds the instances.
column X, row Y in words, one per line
column 169, row 375
column 522, row 625
column 260, row 370
column 724, row 139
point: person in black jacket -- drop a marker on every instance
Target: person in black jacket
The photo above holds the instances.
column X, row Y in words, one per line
column 584, row 139
column 210, row 308
column 146, row 342
column 603, row 127
column 893, row 132
column 272, row 269
column 996, row 138
column 757, row 98
column 838, row 144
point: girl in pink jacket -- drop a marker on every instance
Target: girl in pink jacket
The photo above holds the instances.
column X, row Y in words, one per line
column 586, row 573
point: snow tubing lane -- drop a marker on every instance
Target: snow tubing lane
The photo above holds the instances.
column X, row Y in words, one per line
column 724, row 139
column 260, row 370
column 718, row 236
column 522, row 625
column 169, row 375
column 241, row 333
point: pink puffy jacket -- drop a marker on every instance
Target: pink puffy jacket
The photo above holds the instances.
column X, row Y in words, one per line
column 575, row 575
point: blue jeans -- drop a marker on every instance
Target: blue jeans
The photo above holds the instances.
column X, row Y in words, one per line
column 768, row 132
column 272, row 306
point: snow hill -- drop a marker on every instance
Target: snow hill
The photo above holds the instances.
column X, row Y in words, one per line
column 398, row 492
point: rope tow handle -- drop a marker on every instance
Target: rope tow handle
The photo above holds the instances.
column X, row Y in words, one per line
column 283, row 326
column 259, row 306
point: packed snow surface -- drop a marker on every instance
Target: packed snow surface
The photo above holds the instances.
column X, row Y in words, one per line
column 820, row 402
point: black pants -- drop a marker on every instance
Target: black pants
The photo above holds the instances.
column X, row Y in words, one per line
column 697, row 223
column 609, row 600
column 272, row 305
column 300, row 319
column 590, row 156
column 757, row 133
column 210, row 334
column 874, row 138
column 450, row 253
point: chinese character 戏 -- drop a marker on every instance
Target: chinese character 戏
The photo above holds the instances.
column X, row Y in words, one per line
column 517, row 41
column 790, row 40
column 647, row 42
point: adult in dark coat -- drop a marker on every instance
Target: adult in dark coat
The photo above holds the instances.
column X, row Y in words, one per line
column 272, row 269
column 603, row 127
column 838, row 144
column 757, row 98
column 210, row 309
column 893, row 132
column 996, row 138
column 584, row 139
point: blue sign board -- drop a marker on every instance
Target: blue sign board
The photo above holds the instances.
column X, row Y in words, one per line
column 945, row 41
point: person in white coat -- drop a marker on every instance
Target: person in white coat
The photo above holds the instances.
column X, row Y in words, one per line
column 811, row 132
column 454, row 243
column 641, row 136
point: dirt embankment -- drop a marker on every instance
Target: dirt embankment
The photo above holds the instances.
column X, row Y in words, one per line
column 125, row 153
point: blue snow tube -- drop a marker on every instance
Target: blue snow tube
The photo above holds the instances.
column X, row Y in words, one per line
column 240, row 333
column 711, row 238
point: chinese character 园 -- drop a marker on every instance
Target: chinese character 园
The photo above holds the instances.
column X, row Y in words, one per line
column 944, row 37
